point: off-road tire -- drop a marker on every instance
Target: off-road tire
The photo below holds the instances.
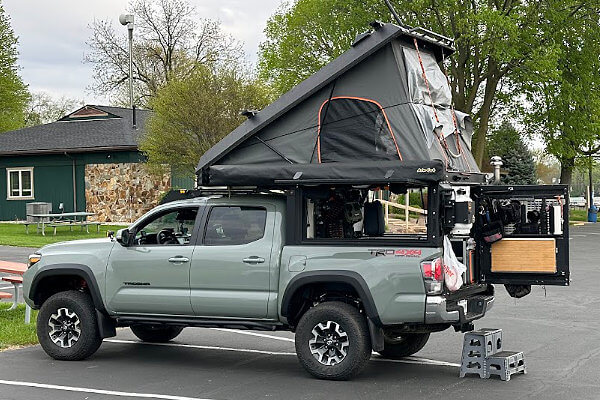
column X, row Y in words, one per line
column 156, row 334
column 352, row 322
column 81, row 305
column 404, row 345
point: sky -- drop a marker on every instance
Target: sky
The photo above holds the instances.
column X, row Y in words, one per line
column 52, row 36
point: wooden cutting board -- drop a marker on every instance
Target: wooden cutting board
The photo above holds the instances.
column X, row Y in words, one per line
column 524, row 255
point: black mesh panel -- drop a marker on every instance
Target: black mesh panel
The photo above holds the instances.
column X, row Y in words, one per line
column 354, row 129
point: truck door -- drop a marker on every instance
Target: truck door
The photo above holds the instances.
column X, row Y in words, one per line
column 230, row 272
column 522, row 234
column 152, row 275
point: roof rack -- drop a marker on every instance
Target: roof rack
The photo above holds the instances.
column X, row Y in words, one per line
column 430, row 36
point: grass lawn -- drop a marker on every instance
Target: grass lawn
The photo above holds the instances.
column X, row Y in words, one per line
column 14, row 234
column 577, row 215
column 13, row 331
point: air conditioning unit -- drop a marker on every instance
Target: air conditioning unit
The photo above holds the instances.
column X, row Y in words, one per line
column 37, row 207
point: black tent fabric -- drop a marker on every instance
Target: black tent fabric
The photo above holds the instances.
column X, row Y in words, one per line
column 375, row 172
column 384, row 100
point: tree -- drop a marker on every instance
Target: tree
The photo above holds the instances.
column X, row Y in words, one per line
column 194, row 113
column 43, row 109
column 496, row 41
column 564, row 99
column 170, row 42
column 13, row 92
column 547, row 167
column 507, row 143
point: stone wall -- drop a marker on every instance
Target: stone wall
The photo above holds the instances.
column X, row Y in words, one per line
column 122, row 192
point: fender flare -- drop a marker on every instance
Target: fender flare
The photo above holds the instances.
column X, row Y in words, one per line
column 332, row 276
column 83, row 271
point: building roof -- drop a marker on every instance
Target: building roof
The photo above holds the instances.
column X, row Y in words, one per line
column 90, row 128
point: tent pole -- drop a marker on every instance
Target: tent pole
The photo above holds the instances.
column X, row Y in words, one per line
column 274, row 150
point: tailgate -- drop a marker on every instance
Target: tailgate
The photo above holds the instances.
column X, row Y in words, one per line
column 522, row 234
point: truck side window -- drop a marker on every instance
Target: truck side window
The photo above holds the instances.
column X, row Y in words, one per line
column 227, row 225
column 366, row 212
column 174, row 227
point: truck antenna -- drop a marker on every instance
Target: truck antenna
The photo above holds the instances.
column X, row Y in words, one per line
column 394, row 13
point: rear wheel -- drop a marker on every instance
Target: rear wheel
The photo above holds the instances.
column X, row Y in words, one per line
column 156, row 333
column 67, row 327
column 332, row 341
column 398, row 346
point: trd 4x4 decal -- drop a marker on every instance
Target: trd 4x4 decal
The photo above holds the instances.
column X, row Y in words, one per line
column 396, row 252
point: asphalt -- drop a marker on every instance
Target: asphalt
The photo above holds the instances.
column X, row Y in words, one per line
column 558, row 329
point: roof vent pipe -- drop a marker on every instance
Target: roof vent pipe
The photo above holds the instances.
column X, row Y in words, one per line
column 496, row 162
column 134, row 120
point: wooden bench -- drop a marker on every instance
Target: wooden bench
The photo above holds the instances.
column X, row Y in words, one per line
column 16, row 281
column 5, row 295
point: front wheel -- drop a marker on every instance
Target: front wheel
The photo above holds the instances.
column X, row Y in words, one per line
column 156, row 334
column 398, row 346
column 332, row 341
column 67, row 327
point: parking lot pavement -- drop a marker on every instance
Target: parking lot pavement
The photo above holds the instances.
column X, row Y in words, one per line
column 558, row 329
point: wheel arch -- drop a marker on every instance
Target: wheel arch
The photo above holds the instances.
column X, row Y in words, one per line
column 350, row 278
column 51, row 272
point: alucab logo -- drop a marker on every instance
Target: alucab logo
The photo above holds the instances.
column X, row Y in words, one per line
column 426, row 170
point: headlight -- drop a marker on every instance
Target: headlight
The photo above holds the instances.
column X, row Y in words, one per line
column 33, row 258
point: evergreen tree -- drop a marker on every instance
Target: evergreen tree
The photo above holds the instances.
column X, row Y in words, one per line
column 517, row 158
column 13, row 92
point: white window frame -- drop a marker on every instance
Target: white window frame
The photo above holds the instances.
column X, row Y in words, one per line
column 20, row 170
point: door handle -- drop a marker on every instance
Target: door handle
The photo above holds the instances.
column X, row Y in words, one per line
column 178, row 260
column 254, row 260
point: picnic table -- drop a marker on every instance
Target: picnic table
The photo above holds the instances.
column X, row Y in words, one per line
column 17, row 269
column 69, row 219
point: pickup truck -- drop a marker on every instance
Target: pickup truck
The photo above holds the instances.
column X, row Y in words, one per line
column 224, row 261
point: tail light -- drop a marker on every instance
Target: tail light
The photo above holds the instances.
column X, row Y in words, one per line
column 433, row 275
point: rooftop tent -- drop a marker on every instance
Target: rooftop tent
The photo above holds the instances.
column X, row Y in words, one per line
column 372, row 104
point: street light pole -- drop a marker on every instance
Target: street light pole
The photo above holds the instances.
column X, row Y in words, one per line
column 127, row 20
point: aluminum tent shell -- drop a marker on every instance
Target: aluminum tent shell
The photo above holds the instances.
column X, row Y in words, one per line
column 380, row 70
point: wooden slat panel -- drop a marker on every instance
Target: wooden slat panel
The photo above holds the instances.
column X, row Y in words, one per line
column 524, row 255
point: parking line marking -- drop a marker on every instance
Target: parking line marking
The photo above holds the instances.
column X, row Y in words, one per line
column 195, row 346
column 284, row 339
column 97, row 391
column 408, row 360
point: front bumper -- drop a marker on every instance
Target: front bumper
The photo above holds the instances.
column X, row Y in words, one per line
column 439, row 310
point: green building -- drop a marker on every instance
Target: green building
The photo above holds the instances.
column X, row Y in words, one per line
column 87, row 161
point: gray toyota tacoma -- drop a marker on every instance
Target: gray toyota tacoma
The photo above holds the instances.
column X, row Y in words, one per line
column 349, row 211
column 246, row 262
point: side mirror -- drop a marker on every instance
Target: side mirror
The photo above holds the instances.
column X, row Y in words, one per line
column 124, row 237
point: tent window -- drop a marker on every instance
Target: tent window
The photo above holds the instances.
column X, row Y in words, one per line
column 353, row 128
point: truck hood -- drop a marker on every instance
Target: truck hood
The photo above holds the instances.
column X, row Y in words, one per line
column 77, row 245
